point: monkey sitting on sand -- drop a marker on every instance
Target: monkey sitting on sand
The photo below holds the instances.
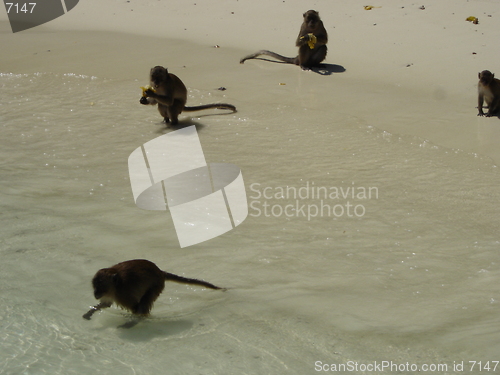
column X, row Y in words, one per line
column 170, row 94
column 488, row 89
column 311, row 41
column 134, row 285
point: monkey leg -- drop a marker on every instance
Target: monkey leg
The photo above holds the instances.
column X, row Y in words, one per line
column 163, row 109
column 310, row 58
column 319, row 55
column 144, row 306
column 494, row 107
column 304, row 57
column 174, row 111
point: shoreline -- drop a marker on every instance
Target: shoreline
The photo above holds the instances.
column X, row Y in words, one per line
column 396, row 84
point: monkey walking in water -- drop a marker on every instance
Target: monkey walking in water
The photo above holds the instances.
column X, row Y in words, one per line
column 133, row 285
column 311, row 41
column 488, row 89
column 170, row 94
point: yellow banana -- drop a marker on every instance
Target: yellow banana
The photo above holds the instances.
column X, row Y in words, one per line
column 146, row 88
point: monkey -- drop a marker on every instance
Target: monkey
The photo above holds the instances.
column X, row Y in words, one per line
column 134, row 285
column 311, row 41
column 171, row 94
column 488, row 89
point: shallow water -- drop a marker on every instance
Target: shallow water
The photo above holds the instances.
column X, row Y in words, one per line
column 409, row 274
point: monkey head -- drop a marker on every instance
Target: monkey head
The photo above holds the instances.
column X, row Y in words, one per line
column 485, row 77
column 158, row 75
column 311, row 19
column 104, row 283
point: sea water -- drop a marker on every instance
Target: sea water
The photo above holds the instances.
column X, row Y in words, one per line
column 361, row 247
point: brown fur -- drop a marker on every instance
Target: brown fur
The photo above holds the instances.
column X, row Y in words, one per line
column 133, row 285
column 488, row 89
column 307, row 57
column 171, row 94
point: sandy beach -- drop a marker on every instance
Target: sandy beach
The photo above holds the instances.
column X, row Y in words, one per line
column 414, row 70
column 412, row 280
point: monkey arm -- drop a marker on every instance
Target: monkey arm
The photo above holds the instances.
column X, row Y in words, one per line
column 302, row 39
column 321, row 39
column 167, row 100
column 93, row 309
column 147, row 101
column 480, row 101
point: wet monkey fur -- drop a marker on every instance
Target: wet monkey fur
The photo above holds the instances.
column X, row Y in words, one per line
column 488, row 90
column 171, row 94
column 311, row 41
column 134, row 285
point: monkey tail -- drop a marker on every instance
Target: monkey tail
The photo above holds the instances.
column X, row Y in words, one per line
column 207, row 106
column 288, row 60
column 185, row 280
